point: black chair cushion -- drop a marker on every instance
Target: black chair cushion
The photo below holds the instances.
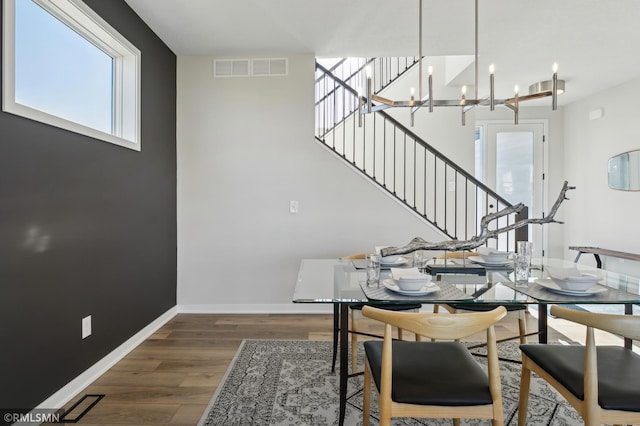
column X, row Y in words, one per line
column 432, row 373
column 484, row 307
column 618, row 372
column 386, row 306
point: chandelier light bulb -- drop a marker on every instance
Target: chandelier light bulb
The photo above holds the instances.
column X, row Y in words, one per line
column 555, row 67
column 430, row 69
column 492, row 69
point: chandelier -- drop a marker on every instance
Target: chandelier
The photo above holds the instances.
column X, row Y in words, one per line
column 538, row 90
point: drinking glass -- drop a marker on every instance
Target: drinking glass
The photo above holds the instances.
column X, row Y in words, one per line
column 522, row 262
column 373, row 269
column 419, row 259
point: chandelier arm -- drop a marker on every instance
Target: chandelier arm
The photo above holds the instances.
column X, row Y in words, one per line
column 540, row 90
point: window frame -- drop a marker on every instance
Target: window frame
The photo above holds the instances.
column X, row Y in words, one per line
column 126, row 71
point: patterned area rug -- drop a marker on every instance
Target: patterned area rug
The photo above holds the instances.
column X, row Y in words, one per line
column 283, row 382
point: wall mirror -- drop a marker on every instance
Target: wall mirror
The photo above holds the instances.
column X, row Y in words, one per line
column 624, row 171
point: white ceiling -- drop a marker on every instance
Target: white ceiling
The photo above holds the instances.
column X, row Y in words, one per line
column 595, row 42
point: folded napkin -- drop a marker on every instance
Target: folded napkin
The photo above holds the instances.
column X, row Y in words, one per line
column 408, row 274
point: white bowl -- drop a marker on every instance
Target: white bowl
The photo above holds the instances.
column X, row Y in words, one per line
column 575, row 285
column 572, row 278
column 494, row 259
column 411, row 284
column 409, row 279
column 492, row 255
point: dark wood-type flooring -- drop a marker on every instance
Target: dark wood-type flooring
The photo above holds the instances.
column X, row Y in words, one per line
column 170, row 378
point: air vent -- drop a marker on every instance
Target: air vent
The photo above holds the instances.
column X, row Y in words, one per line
column 269, row 67
column 263, row 67
column 231, row 68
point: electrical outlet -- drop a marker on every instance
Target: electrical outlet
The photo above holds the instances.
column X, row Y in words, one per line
column 86, row 327
column 293, row 206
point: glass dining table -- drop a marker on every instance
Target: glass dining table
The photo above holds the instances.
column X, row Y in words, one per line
column 342, row 282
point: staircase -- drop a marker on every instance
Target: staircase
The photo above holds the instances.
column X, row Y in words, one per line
column 431, row 185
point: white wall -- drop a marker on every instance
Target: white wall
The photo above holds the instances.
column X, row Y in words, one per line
column 597, row 215
column 245, row 149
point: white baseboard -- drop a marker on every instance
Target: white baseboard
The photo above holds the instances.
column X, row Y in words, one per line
column 287, row 308
column 75, row 386
column 71, row 389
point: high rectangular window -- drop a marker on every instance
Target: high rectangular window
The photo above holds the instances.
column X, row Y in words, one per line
column 65, row 66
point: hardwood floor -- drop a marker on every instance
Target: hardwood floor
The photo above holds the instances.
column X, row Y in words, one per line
column 170, row 378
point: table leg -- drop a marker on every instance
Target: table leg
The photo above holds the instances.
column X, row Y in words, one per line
column 542, row 323
column 344, row 355
column 628, row 310
column 336, row 327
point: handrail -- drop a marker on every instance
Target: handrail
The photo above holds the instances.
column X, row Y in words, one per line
column 374, row 63
column 337, row 80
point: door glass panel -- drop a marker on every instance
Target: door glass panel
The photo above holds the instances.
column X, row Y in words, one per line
column 514, row 167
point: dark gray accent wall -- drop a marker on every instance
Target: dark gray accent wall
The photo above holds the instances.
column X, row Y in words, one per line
column 86, row 228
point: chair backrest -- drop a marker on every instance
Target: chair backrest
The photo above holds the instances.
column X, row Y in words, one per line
column 354, row 256
column 623, row 325
column 438, row 326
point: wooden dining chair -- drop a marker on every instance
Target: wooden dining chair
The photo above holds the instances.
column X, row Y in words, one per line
column 433, row 379
column 521, row 309
column 355, row 311
column 355, row 315
column 600, row 382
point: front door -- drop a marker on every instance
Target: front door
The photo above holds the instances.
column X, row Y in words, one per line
column 514, row 165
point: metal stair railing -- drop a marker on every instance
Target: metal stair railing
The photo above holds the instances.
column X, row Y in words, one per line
column 415, row 173
column 352, row 72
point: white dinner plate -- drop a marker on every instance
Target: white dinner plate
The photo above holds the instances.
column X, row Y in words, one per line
column 552, row 286
column 479, row 261
column 398, row 262
column 426, row 289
